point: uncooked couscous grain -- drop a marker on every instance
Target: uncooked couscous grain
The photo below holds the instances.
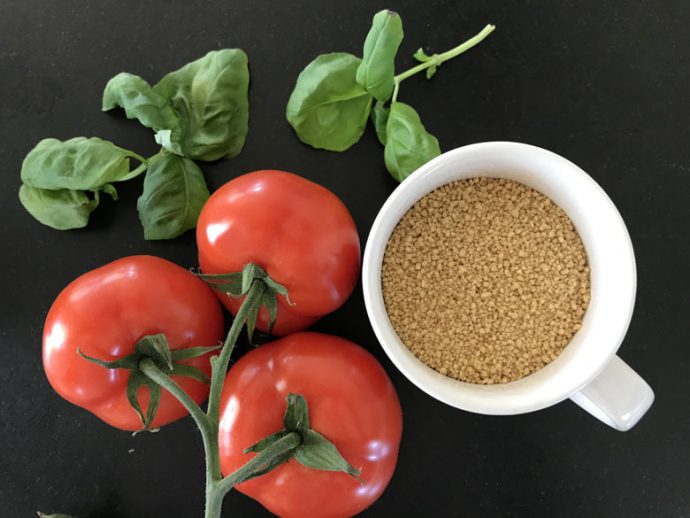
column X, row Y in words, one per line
column 485, row 280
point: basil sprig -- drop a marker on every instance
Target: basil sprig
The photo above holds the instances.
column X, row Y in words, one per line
column 62, row 180
column 198, row 112
column 333, row 98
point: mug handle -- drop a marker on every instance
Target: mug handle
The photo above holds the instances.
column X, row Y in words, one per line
column 618, row 396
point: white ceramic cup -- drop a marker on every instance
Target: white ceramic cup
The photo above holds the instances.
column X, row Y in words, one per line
column 588, row 371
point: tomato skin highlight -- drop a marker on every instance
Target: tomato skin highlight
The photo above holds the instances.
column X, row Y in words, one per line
column 352, row 402
column 105, row 312
column 298, row 231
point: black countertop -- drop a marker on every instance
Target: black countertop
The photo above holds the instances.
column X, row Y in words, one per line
column 603, row 83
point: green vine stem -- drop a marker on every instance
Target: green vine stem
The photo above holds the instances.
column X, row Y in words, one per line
column 220, row 363
column 437, row 59
column 259, row 289
column 256, row 466
column 207, row 422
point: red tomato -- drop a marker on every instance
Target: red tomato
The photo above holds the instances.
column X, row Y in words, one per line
column 105, row 312
column 352, row 402
column 296, row 230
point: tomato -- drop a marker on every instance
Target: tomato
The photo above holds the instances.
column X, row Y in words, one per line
column 296, row 230
column 352, row 402
column 105, row 312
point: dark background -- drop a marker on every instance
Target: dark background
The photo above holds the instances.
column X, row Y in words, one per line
column 603, row 83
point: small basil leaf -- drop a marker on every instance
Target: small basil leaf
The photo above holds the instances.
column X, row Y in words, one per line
column 421, row 56
column 328, row 109
column 79, row 163
column 431, row 71
column 379, row 117
column 174, row 192
column 317, row 452
column 170, row 140
column 377, row 69
column 210, row 99
column 110, row 189
column 408, row 145
column 139, row 102
column 61, row 209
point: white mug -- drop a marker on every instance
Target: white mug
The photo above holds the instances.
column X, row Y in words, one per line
column 588, row 371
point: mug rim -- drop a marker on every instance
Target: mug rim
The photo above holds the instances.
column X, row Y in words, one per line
column 497, row 399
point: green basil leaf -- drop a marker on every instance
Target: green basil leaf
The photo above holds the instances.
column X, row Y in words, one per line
column 61, row 209
column 174, row 192
column 328, row 109
column 210, row 98
column 423, row 57
column 379, row 117
column 377, row 69
column 139, row 102
column 408, row 144
column 79, row 163
column 110, row 190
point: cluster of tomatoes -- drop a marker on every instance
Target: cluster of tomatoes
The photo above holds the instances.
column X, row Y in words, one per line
column 303, row 236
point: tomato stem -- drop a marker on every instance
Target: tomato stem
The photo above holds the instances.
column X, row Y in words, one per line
column 207, row 422
column 149, row 368
column 220, row 363
column 317, row 452
column 260, row 463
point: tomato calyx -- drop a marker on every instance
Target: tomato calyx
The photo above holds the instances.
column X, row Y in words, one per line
column 237, row 284
column 313, row 451
column 156, row 349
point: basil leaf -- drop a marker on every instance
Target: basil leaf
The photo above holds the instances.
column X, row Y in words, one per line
column 174, row 192
column 377, row 69
column 423, row 57
column 210, row 98
column 408, row 144
column 379, row 117
column 79, row 164
column 139, row 102
column 328, row 108
column 60, row 209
